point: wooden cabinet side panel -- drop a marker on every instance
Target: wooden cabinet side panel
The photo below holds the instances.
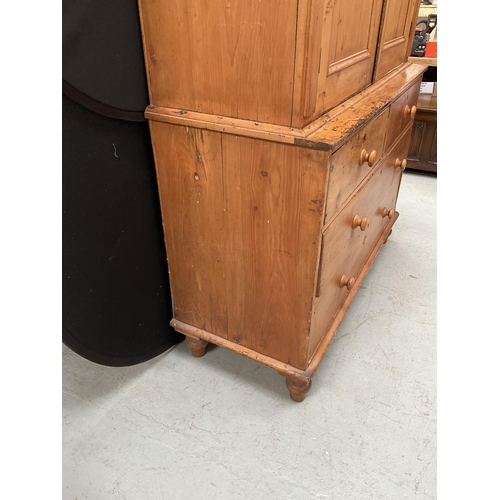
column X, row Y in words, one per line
column 274, row 206
column 242, row 220
column 231, row 58
column 189, row 172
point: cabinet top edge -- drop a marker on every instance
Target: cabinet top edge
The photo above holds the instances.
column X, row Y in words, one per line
column 328, row 132
column 347, row 119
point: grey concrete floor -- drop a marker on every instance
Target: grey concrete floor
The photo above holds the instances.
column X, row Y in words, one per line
column 224, row 427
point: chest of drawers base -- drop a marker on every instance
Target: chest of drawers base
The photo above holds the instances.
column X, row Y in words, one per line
column 298, row 381
column 269, row 231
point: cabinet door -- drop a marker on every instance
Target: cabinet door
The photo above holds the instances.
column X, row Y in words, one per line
column 396, row 36
column 348, row 49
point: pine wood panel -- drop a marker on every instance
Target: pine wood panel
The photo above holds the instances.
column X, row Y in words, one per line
column 349, row 43
column 242, row 222
column 274, row 207
column 189, row 170
column 396, row 35
column 224, row 57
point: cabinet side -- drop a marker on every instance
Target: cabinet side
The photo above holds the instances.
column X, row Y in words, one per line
column 242, row 221
column 227, row 58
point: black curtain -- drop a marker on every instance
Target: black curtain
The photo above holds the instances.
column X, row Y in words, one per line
column 116, row 295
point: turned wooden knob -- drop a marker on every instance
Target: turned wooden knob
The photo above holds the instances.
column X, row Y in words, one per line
column 410, row 111
column 361, row 222
column 388, row 213
column 344, row 282
column 400, row 163
column 368, row 157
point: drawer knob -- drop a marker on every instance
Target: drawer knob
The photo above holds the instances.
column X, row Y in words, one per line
column 361, row 222
column 388, row 213
column 410, row 111
column 400, row 163
column 368, row 157
column 344, row 282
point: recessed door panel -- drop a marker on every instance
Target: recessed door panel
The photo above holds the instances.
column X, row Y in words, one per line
column 351, row 29
column 398, row 26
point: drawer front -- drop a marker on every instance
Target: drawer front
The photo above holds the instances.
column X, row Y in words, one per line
column 352, row 163
column 397, row 157
column 345, row 248
column 402, row 113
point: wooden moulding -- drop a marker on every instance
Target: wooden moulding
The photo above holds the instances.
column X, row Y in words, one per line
column 424, row 61
column 293, row 375
column 246, row 128
column 329, row 132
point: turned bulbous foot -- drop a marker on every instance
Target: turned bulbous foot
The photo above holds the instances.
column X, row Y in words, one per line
column 298, row 390
column 197, row 346
column 390, row 232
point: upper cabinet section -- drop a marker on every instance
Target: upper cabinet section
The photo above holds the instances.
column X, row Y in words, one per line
column 284, row 62
column 224, row 57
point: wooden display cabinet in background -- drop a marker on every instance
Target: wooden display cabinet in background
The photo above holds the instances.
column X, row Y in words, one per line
column 422, row 154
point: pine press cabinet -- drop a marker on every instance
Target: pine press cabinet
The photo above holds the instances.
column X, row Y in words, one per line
column 280, row 130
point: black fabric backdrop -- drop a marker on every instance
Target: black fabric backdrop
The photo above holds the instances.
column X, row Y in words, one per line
column 102, row 52
column 116, row 296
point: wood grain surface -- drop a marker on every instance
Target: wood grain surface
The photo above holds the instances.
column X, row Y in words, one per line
column 350, row 36
column 396, row 36
column 228, row 58
column 242, row 220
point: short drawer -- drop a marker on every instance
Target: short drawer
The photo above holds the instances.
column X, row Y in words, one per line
column 348, row 242
column 402, row 113
column 397, row 157
column 353, row 162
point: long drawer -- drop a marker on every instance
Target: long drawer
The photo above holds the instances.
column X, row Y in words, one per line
column 349, row 240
